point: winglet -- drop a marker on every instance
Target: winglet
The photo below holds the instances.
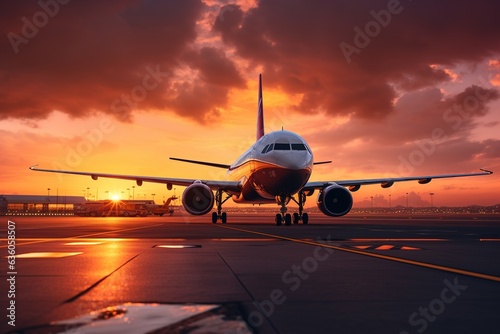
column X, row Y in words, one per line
column 260, row 112
column 33, row 167
column 486, row 171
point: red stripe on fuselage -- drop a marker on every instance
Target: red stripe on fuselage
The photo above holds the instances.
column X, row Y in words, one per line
column 262, row 181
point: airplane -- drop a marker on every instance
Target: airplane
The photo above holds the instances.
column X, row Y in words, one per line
column 276, row 169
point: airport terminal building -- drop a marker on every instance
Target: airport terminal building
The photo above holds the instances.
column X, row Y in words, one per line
column 39, row 204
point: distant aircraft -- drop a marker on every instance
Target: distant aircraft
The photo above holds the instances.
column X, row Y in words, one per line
column 276, row 169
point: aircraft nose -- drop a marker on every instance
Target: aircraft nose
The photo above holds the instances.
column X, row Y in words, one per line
column 296, row 159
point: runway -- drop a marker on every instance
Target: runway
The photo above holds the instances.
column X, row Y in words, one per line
column 182, row 274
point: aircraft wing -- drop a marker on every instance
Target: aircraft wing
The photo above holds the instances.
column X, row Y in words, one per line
column 354, row 185
column 230, row 186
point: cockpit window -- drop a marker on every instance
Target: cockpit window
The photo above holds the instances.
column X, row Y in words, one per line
column 298, row 147
column 282, row 147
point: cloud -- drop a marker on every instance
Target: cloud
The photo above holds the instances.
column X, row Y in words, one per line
column 298, row 46
column 418, row 114
column 90, row 54
column 85, row 61
column 201, row 94
column 428, row 132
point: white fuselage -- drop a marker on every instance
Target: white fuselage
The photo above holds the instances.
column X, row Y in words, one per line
column 278, row 164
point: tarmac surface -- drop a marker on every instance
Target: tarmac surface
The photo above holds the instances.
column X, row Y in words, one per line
column 183, row 274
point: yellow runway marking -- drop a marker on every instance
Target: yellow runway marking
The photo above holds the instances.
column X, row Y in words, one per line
column 41, row 240
column 409, row 248
column 361, row 247
column 394, row 239
column 379, row 256
column 242, row 239
column 384, row 247
column 45, row 255
column 381, row 247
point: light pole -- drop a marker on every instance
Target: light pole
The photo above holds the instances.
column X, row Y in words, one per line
column 133, row 192
column 371, row 199
column 407, row 205
column 48, row 198
column 153, row 197
column 390, row 203
column 432, row 202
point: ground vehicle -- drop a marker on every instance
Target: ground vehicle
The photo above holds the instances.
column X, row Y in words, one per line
column 160, row 210
column 96, row 209
column 132, row 209
column 107, row 208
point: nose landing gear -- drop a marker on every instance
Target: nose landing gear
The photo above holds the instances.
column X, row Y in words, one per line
column 283, row 201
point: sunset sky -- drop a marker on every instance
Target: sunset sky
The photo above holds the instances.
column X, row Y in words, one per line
column 382, row 88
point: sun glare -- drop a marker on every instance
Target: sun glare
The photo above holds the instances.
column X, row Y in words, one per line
column 115, row 197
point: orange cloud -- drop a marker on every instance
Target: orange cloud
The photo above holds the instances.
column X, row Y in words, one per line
column 178, row 78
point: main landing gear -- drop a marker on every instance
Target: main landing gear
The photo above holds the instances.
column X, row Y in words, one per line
column 219, row 215
column 281, row 217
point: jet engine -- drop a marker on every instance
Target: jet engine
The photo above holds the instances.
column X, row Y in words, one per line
column 198, row 199
column 334, row 200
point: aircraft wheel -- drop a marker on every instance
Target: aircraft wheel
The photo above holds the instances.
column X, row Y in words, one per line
column 288, row 219
column 224, row 218
column 278, row 219
column 305, row 218
column 214, row 217
column 295, row 218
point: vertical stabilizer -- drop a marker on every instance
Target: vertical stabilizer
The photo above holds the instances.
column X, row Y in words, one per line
column 260, row 112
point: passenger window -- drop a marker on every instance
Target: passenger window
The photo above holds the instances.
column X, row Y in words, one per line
column 265, row 149
column 282, row 147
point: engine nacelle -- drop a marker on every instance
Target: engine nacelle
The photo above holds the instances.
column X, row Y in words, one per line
column 334, row 201
column 198, row 199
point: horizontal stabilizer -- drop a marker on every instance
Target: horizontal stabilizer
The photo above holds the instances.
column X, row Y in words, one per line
column 211, row 164
column 322, row 162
